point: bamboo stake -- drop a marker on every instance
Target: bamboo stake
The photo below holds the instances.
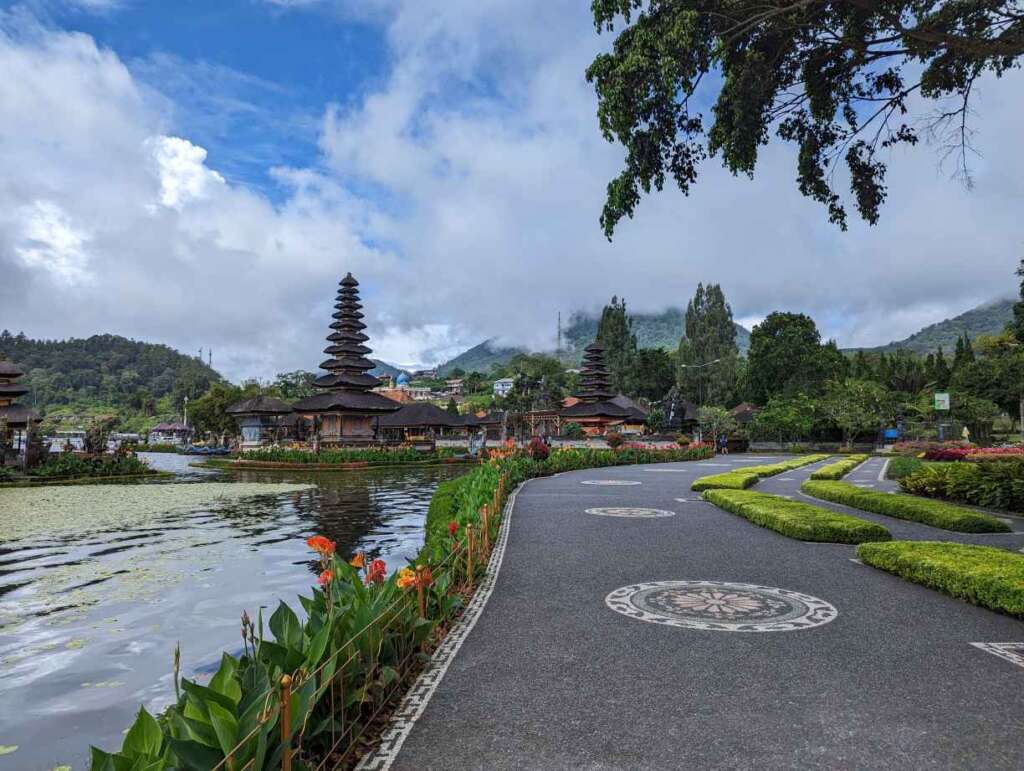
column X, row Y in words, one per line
column 286, row 722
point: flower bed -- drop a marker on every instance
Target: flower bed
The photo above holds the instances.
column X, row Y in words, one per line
column 336, row 673
column 840, row 469
column 916, row 448
column 983, row 575
column 370, row 456
column 996, row 484
column 796, row 519
column 928, row 512
column 741, row 479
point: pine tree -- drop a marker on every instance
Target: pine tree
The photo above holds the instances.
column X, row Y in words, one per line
column 964, row 352
column 1017, row 325
column 942, row 371
column 615, row 335
column 709, row 335
column 862, row 369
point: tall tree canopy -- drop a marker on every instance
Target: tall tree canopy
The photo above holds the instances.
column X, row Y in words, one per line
column 1017, row 325
column 615, row 333
column 786, row 358
column 832, row 76
column 708, row 354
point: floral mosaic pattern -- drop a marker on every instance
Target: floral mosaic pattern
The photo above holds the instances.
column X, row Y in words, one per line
column 609, row 482
column 720, row 606
column 626, row 511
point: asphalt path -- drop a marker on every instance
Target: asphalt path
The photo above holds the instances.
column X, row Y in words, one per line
column 551, row 677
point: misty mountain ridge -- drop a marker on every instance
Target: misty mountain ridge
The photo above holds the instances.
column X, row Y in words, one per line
column 663, row 330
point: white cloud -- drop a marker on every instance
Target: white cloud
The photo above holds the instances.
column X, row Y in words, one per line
column 183, row 175
column 486, row 175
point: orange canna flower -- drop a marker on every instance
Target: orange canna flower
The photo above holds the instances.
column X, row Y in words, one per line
column 321, row 545
column 406, row 578
column 325, row 578
column 453, row 528
column 376, row 572
column 424, row 576
column 358, row 561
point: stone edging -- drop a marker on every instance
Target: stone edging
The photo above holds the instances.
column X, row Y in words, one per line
column 418, row 697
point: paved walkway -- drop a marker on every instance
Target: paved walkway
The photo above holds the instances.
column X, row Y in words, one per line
column 874, row 672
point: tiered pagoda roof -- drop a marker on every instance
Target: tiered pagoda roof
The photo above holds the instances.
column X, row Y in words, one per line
column 347, row 383
column 16, row 415
column 595, row 396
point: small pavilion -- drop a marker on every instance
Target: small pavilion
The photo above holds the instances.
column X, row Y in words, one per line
column 16, row 417
column 596, row 410
column 259, row 419
column 344, row 413
column 419, row 422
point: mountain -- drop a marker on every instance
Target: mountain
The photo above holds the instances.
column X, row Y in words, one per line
column 987, row 319
column 653, row 330
column 383, row 369
column 106, row 374
column 479, row 358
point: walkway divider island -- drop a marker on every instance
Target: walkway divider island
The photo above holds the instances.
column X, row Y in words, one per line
column 741, row 479
column 840, row 469
column 314, row 693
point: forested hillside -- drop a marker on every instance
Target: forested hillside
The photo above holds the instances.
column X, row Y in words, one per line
column 106, row 373
column 988, row 319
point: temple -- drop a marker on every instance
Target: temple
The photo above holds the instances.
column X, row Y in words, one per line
column 344, row 413
column 260, row 420
column 14, row 418
column 597, row 408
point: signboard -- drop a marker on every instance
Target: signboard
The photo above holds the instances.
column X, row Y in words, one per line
column 942, row 401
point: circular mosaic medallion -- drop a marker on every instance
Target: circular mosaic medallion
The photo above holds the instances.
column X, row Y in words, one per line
column 625, row 511
column 722, row 607
column 609, row 482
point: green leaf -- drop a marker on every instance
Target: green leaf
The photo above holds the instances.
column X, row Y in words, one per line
column 193, row 756
column 226, row 726
column 317, row 646
column 286, row 627
column 225, row 682
column 200, row 696
column 144, row 738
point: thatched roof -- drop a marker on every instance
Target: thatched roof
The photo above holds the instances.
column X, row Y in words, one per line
column 602, row 409
column 346, row 401
column 260, row 405
column 420, row 414
column 18, row 415
column 10, row 369
column 744, row 412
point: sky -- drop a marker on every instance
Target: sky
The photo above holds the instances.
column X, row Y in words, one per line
column 203, row 173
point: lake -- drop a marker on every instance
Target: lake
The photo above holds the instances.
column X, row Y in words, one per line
column 98, row 583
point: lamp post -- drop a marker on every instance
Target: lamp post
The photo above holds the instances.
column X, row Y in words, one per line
column 700, row 392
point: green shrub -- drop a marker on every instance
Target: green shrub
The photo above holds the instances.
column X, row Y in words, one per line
column 72, row 466
column 928, row 512
column 373, row 456
column 997, row 484
column 840, row 469
column 901, row 466
column 796, row 519
column 730, row 480
column 983, row 575
column 741, row 479
column 573, row 431
column 444, row 507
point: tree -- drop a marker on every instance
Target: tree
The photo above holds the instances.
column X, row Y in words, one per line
column 963, row 353
column 786, row 357
column 715, row 422
column 97, row 433
column 452, row 408
column 998, row 378
column 784, row 419
column 856, row 406
column 655, row 373
column 708, row 354
column 834, row 77
column 615, row 333
column 1017, row 325
column 208, row 414
column 292, row 386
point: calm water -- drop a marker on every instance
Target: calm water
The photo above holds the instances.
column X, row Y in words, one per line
column 91, row 617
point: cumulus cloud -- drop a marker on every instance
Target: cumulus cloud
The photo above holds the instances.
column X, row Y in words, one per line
column 463, row 192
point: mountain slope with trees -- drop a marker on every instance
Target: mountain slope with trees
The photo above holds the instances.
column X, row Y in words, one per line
column 987, row 319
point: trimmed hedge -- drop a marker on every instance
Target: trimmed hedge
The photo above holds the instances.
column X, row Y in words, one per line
column 983, row 575
column 840, row 469
column 730, row 480
column 796, row 519
column 741, row 479
column 928, row 512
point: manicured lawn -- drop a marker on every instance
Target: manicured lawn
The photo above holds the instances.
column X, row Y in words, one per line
column 840, row 469
column 796, row 519
column 929, row 512
column 983, row 575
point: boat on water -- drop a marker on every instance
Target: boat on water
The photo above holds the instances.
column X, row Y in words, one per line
column 194, row 450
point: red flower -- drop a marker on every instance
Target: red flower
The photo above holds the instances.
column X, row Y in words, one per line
column 453, row 528
column 376, row 572
column 321, row 545
column 325, row 578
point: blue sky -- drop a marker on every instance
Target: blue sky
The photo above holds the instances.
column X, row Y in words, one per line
column 247, row 80
column 203, row 173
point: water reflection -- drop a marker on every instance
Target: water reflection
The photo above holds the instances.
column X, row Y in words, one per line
column 88, row 620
